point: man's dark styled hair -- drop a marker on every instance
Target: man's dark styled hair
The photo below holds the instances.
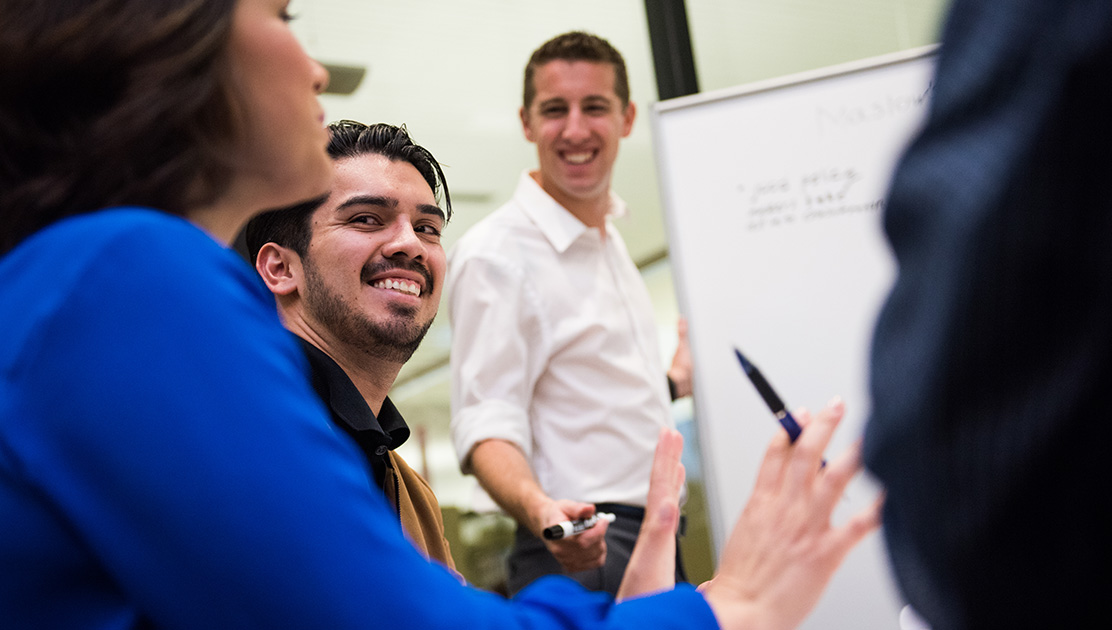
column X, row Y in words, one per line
column 112, row 102
column 577, row 46
column 291, row 227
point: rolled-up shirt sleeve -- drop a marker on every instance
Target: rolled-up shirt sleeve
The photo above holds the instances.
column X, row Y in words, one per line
column 499, row 348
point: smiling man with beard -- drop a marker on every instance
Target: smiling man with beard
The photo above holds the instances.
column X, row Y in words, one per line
column 357, row 276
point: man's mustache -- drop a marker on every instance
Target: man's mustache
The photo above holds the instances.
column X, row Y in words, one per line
column 371, row 270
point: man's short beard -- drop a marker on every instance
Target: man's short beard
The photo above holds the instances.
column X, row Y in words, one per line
column 395, row 340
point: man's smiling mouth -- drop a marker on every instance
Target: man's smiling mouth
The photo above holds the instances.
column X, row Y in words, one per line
column 581, row 157
column 398, row 285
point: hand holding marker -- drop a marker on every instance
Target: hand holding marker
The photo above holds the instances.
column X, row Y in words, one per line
column 578, row 526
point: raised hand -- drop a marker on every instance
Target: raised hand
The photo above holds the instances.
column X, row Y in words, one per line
column 783, row 549
column 652, row 565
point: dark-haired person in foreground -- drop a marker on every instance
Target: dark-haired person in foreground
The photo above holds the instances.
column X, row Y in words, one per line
column 361, row 303
column 992, row 357
column 164, row 462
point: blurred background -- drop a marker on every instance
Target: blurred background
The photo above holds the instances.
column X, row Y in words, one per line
column 451, row 71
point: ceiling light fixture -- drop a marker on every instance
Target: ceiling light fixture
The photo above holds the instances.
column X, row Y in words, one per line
column 343, row 79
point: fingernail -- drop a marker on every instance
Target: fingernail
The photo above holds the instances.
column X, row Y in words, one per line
column 836, row 403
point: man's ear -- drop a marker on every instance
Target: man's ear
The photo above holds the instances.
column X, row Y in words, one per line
column 523, row 114
column 280, row 268
column 628, row 116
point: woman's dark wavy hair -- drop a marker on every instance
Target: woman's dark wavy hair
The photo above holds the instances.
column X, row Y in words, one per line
column 111, row 102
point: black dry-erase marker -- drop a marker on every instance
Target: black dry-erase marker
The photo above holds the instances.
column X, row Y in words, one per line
column 578, row 526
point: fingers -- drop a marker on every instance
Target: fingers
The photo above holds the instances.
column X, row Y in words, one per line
column 663, row 512
column 772, row 464
column 652, row 564
column 666, row 482
column 813, row 441
column 836, row 476
column 783, row 550
column 830, row 485
column 564, row 509
column 807, row 457
column 667, row 476
column 862, row 524
column 669, row 449
column 583, row 551
column 681, row 369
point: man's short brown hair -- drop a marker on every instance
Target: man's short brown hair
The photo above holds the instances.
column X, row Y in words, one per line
column 577, row 46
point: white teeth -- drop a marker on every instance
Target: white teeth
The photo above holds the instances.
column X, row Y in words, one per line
column 578, row 158
column 399, row 285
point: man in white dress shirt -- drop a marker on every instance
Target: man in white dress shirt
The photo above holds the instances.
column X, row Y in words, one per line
column 558, row 390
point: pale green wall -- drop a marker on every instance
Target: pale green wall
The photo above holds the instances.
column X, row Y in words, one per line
column 740, row 41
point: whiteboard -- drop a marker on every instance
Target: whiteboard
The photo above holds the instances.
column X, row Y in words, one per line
column 773, row 194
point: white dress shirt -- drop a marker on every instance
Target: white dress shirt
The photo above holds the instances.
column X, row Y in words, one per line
column 554, row 349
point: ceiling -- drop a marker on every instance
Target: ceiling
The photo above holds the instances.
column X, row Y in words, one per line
column 450, row 70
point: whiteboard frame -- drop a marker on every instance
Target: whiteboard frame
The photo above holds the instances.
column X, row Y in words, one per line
column 827, row 72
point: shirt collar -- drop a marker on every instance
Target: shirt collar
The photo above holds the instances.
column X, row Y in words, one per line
column 347, row 406
column 558, row 225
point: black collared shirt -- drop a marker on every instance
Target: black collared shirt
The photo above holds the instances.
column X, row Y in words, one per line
column 376, row 436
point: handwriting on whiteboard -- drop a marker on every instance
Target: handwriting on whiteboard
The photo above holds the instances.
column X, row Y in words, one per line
column 843, row 115
column 812, row 195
